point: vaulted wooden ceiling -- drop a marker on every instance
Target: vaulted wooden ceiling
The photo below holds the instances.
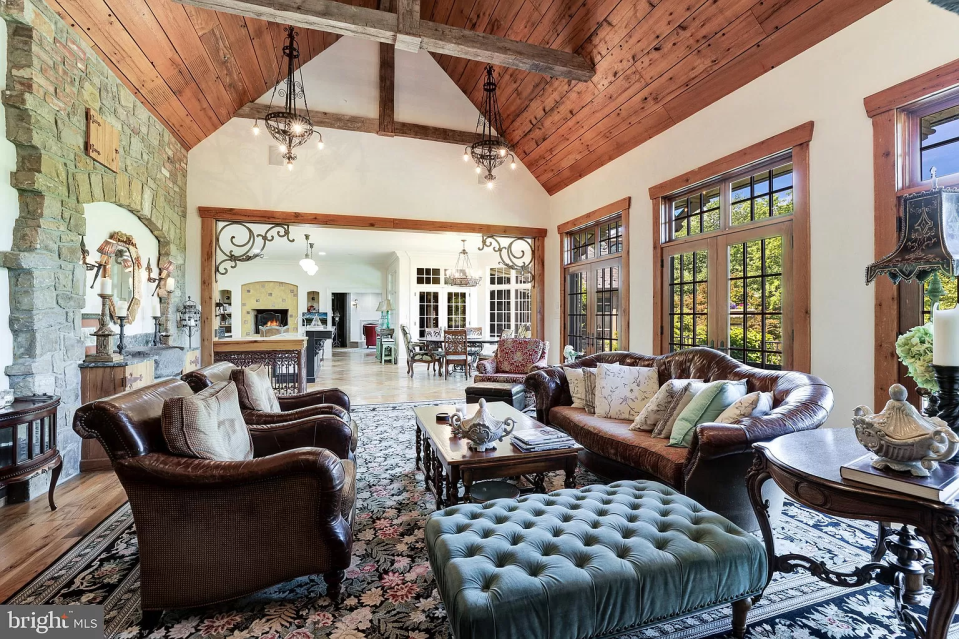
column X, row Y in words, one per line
column 657, row 62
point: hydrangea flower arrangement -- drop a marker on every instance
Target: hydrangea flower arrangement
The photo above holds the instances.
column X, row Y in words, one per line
column 914, row 349
column 570, row 354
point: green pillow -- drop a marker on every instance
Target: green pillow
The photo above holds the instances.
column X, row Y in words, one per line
column 705, row 407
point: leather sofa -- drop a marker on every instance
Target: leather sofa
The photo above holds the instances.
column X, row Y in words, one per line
column 331, row 402
column 286, row 513
column 712, row 470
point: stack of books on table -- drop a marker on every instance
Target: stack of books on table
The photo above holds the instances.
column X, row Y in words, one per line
column 941, row 485
column 529, row 441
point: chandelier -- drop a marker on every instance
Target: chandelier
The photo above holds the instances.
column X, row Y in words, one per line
column 491, row 150
column 463, row 273
column 291, row 126
column 307, row 263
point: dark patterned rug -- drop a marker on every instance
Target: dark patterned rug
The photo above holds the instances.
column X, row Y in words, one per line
column 389, row 588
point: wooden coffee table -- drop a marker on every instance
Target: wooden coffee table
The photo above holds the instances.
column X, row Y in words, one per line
column 445, row 460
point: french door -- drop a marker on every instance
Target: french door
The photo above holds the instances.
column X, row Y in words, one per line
column 593, row 305
column 731, row 292
column 443, row 309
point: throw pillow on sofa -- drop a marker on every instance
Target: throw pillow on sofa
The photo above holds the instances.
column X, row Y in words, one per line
column 255, row 388
column 705, row 407
column 652, row 414
column 664, row 428
column 752, row 405
column 623, row 391
column 582, row 388
column 208, row 425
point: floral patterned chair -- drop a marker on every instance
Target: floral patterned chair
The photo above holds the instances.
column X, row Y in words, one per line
column 515, row 357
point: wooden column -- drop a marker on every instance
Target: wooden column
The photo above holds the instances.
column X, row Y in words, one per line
column 539, row 288
column 207, row 286
column 387, row 82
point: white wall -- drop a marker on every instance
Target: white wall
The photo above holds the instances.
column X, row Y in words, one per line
column 104, row 218
column 9, row 210
column 826, row 84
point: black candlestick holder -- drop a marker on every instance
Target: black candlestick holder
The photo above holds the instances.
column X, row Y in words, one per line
column 944, row 404
column 121, row 320
column 156, row 330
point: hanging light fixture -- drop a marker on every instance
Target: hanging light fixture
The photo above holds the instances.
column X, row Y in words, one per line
column 463, row 273
column 291, row 126
column 491, row 150
column 307, row 263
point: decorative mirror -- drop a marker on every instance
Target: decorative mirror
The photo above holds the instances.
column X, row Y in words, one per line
column 126, row 272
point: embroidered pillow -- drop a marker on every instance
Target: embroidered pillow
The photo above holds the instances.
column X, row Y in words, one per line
column 752, row 405
column 589, row 390
column 623, row 391
column 665, row 427
column 577, row 386
column 705, row 407
column 652, row 413
column 255, row 389
column 208, row 425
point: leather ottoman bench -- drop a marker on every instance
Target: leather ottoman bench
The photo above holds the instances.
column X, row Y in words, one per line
column 512, row 394
column 589, row 562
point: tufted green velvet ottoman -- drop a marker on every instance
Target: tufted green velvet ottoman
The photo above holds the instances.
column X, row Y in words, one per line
column 589, row 562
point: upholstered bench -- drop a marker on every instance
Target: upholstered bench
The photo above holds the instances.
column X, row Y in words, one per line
column 589, row 562
column 512, row 393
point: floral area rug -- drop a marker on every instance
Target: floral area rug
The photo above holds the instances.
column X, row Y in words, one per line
column 390, row 592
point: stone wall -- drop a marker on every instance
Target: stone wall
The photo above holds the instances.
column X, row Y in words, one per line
column 52, row 77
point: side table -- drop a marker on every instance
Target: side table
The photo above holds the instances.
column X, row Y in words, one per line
column 805, row 465
column 28, row 441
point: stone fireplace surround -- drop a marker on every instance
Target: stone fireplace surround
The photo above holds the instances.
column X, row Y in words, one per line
column 52, row 78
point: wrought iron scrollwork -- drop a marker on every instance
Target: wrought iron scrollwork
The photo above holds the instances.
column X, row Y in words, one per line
column 238, row 251
column 516, row 253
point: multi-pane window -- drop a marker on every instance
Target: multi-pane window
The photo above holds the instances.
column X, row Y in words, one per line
column 428, row 276
column 592, row 272
column 607, row 309
column 500, row 310
column 767, row 193
column 939, row 142
column 688, row 307
column 500, row 276
column 429, row 311
column 756, row 302
column 725, row 264
column 456, row 309
column 523, row 307
column 576, row 317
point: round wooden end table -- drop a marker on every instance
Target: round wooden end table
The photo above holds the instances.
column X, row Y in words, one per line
column 805, row 466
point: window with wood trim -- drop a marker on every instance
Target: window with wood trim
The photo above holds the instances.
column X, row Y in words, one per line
column 593, row 282
column 727, row 260
column 509, row 300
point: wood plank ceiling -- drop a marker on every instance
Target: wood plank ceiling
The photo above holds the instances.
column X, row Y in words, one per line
column 657, row 62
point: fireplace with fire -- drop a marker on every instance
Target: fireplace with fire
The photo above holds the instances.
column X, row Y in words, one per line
column 270, row 318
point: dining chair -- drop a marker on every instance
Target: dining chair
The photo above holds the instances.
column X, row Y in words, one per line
column 455, row 352
column 475, row 348
column 417, row 352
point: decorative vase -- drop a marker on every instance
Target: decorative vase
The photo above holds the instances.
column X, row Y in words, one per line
column 482, row 429
column 902, row 438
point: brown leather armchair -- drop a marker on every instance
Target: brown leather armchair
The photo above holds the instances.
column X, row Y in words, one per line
column 286, row 513
column 327, row 401
column 713, row 468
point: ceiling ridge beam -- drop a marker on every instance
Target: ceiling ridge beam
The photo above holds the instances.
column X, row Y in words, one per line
column 382, row 26
column 360, row 124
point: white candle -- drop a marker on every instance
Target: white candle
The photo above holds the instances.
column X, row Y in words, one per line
column 121, row 309
column 155, row 307
column 945, row 337
column 170, row 284
column 106, row 286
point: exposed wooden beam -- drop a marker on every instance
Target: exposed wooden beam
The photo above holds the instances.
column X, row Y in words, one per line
column 324, row 120
column 381, row 26
column 387, row 83
column 408, row 25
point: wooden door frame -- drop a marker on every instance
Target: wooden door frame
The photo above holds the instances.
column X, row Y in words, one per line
column 795, row 140
column 891, row 175
column 210, row 215
column 619, row 206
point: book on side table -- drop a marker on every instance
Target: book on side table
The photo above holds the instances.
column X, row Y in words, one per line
column 941, row 485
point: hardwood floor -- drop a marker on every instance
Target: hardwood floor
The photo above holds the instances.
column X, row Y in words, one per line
column 32, row 537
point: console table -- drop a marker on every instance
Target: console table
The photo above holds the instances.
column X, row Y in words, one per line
column 806, row 466
column 28, row 441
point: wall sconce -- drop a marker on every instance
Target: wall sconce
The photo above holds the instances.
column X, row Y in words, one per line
column 165, row 270
column 107, row 250
column 84, row 254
